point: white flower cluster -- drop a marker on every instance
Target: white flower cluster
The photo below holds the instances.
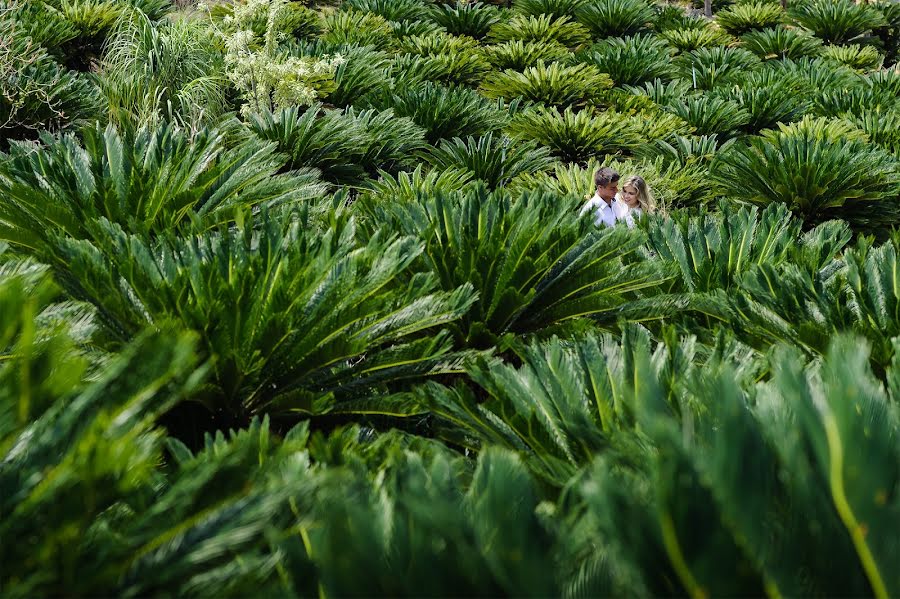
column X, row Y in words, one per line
column 265, row 77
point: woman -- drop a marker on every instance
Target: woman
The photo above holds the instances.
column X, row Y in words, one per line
column 637, row 197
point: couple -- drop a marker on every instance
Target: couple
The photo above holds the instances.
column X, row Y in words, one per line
column 610, row 207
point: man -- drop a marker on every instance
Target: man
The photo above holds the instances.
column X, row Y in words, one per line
column 606, row 208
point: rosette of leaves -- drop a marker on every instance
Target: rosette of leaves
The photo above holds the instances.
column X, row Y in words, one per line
column 574, row 136
column 554, row 8
column 495, row 160
column 781, row 42
column 404, row 29
column 553, row 84
column 709, row 114
column 462, row 68
column 706, row 68
column 392, row 10
column 354, row 27
column 92, row 21
column 466, row 18
column 860, row 58
column 443, row 112
column 612, row 18
column 345, row 145
column 631, row 60
column 662, row 92
column 148, row 181
column 535, row 262
column 540, row 28
column 439, row 57
column 407, row 186
column 684, row 150
column 739, row 19
column 36, row 91
column 881, row 127
column 768, row 98
column 836, row 21
column 820, row 75
column 687, row 40
column 518, row 55
column 853, row 100
column 842, row 175
column 363, row 70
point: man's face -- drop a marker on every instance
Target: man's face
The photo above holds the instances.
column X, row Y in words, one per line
column 608, row 191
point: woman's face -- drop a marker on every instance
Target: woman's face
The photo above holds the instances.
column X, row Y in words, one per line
column 630, row 195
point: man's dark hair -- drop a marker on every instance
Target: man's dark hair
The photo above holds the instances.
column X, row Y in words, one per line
column 604, row 176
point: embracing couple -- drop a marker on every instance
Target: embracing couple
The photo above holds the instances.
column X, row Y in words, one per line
column 610, row 207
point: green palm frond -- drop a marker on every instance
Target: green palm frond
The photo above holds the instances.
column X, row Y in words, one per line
column 146, row 181
column 781, row 42
column 575, row 136
column 443, row 112
column 631, row 60
column 553, row 84
column 710, row 115
column 534, row 261
column 860, row 58
column 836, row 21
column 693, row 38
column 818, row 170
column 288, row 313
column 706, row 68
column 609, row 18
column 742, row 18
column 473, row 19
column 345, row 145
column 540, row 28
column 518, row 55
column 392, row 10
column 493, row 160
column 554, row 8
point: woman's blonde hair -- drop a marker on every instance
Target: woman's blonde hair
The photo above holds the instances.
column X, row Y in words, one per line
column 645, row 196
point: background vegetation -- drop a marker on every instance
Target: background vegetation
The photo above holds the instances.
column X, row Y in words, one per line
column 296, row 299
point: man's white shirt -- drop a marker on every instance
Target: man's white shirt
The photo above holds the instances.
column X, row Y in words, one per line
column 605, row 214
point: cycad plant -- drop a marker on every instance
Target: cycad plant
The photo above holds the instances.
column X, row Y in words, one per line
column 553, row 84
column 271, row 300
column 768, row 98
column 473, row 19
column 495, row 160
column 819, row 169
column 861, row 58
column 147, row 181
column 443, row 112
column 836, row 21
column 554, row 8
column 518, row 55
column 631, row 60
column 534, row 262
column 710, row 115
column 36, row 91
column 610, row 18
column 692, row 38
column 706, row 68
column 781, row 42
column 540, row 28
column 742, row 18
column 575, row 136
column 392, row 10
column 344, row 145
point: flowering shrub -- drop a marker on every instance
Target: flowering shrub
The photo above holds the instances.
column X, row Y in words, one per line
column 264, row 75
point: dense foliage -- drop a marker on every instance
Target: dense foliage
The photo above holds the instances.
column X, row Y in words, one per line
column 296, row 299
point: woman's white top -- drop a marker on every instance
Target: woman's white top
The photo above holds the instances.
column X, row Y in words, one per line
column 631, row 216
